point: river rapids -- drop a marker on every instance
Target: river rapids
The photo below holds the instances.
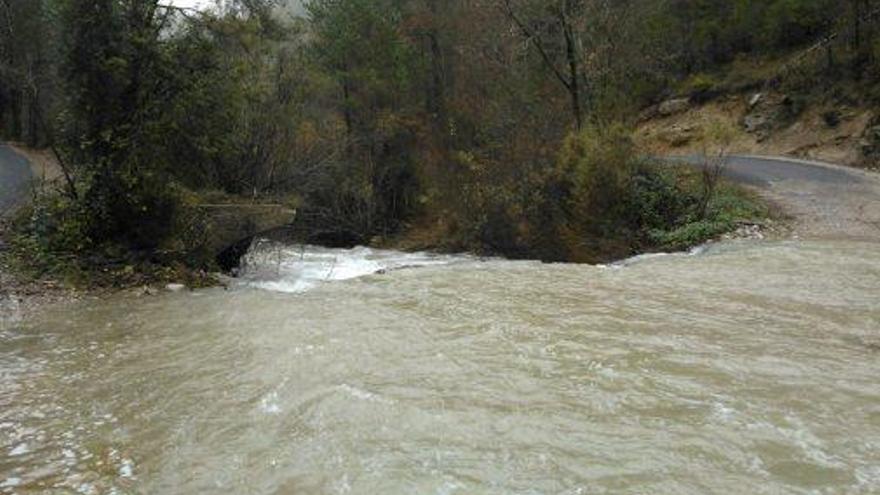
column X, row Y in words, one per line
column 744, row 368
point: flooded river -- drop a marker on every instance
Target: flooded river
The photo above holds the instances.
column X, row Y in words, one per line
column 748, row 368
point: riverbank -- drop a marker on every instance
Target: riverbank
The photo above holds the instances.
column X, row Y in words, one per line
column 34, row 273
column 800, row 200
column 22, row 297
column 24, row 292
column 659, row 210
column 27, row 287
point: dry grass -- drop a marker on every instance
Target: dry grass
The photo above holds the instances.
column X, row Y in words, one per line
column 806, row 137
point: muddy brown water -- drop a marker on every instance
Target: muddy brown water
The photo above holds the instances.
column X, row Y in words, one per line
column 746, row 368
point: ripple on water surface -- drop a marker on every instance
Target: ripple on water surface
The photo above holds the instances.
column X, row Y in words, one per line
column 748, row 368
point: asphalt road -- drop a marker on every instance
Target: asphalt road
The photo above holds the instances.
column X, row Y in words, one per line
column 15, row 177
column 826, row 201
column 764, row 171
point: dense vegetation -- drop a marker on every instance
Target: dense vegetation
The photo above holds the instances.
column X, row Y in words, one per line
column 491, row 125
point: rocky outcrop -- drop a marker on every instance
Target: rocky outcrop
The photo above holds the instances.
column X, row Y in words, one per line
column 766, row 114
column 869, row 144
column 755, row 99
column 674, row 106
column 679, row 135
column 759, row 124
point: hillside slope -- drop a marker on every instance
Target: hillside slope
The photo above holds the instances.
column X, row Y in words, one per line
column 768, row 124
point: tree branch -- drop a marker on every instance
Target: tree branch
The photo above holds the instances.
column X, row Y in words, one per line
column 536, row 41
column 188, row 12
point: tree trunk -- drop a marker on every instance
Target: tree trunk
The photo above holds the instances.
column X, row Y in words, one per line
column 571, row 81
column 869, row 30
column 346, row 102
column 857, row 26
column 33, row 134
column 829, row 51
column 436, row 103
column 349, row 119
column 15, row 127
column 574, row 87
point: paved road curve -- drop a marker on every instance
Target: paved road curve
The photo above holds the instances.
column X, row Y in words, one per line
column 15, row 176
column 827, row 201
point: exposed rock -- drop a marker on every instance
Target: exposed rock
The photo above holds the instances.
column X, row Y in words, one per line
column 832, row 118
column 757, row 123
column 839, row 140
column 770, row 113
column 175, row 287
column 678, row 135
column 649, row 113
column 869, row 144
column 755, row 99
column 760, row 230
column 674, row 106
column 747, row 231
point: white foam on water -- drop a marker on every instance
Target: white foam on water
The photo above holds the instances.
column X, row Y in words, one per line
column 269, row 404
column 126, row 469
column 10, row 482
column 868, row 476
column 21, row 449
column 694, row 251
column 293, row 269
column 448, row 488
column 722, row 412
column 362, row 394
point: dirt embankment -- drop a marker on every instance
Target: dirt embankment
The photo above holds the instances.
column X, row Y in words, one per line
column 770, row 124
column 21, row 299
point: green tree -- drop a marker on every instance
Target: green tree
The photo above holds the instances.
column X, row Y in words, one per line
column 361, row 47
column 28, row 40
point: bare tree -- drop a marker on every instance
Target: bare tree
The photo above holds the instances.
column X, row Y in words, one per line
column 716, row 143
column 562, row 13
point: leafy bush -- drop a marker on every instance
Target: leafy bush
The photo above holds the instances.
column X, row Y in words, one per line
column 729, row 206
column 132, row 209
column 600, row 200
column 595, row 173
column 54, row 237
column 689, row 234
column 702, row 87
